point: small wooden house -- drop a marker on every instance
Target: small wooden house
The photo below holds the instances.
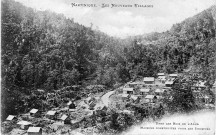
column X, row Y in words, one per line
column 144, row 91
column 159, row 91
column 135, row 98
column 34, row 131
column 65, row 119
column 149, row 80
column 24, row 124
column 11, row 118
column 34, row 112
column 128, row 90
column 51, row 115
column 173, row 75
column 169, row 83
column 127, row 112
column 125, row 96
column 69, row 103
column 161, row 74
column 151, row 98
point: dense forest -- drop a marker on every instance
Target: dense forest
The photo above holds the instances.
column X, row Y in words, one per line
column 45, row 50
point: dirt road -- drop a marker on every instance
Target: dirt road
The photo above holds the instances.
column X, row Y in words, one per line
column 105, row 98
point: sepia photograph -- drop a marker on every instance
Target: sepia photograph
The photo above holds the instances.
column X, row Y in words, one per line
column 108, row 67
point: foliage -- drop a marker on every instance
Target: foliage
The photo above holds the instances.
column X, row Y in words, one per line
column 44, row 50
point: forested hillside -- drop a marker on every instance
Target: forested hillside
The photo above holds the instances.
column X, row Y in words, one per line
column 45, row 50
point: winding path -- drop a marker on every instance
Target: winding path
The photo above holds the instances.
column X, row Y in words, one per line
column 105, row 98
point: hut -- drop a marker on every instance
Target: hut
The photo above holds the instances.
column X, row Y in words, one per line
column 159, row 91
column 161, row 74
column 135, row 98
column 92, row 105
column 65, row 119
column 149, row 80
column 169, row 83
column 51, row 114
column 24, row 124
column 34, row 112
column 151, row 98
column 11, row 118
column 128, row 90
column 125, row 96
column 34, row 131
column 173, row 75
column 144, row 91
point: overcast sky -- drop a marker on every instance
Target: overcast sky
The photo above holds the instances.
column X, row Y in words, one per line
column 128, row 21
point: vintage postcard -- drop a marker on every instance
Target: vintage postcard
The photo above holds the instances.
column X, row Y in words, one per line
column 108, row 67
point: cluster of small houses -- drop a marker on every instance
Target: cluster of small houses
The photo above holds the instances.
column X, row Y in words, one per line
column 152, row 90
column 31, row 130
column 88, row 105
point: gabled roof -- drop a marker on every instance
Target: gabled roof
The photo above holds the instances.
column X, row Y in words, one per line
column 40, row 90
column 148, row 79
column 127, row 111
column 144, row 90
column 161, row 74
column 134, row 97
column 169, row 82
column 173, row 75
column 34, row 110
column 127, row 89
column 51, row 112
column 162, row 77
column 124, row 95
column 150, row 96
column 133, row 83
column 34, row 129
column 10, row 117
column 64, row 117
column 24, row 123
column 159, row 90
column 206, row 96
column 69, row 103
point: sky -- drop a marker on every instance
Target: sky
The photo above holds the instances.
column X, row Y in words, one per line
column 125, row 21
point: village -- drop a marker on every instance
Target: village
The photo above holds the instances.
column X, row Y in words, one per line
column 89, row 114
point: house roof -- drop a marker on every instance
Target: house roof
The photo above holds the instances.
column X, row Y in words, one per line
column 133, row 83
column 159, row 90
column 150, row 96
column 10, row 117
column 72, row 110
column 127, row 89
column 69, row 103
column 162, row 77
column 51, row 112
column 206, row 96
column 24, row 123
column 124, row 95
column 173, row 75
column 144, row 90
column 161, row 74
column 34, row 129
column 148, row 79
column 169, row 82
column 34, row 110
column 126, row 111
column 40, row 90
column 64, row 117
column 134, row 97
